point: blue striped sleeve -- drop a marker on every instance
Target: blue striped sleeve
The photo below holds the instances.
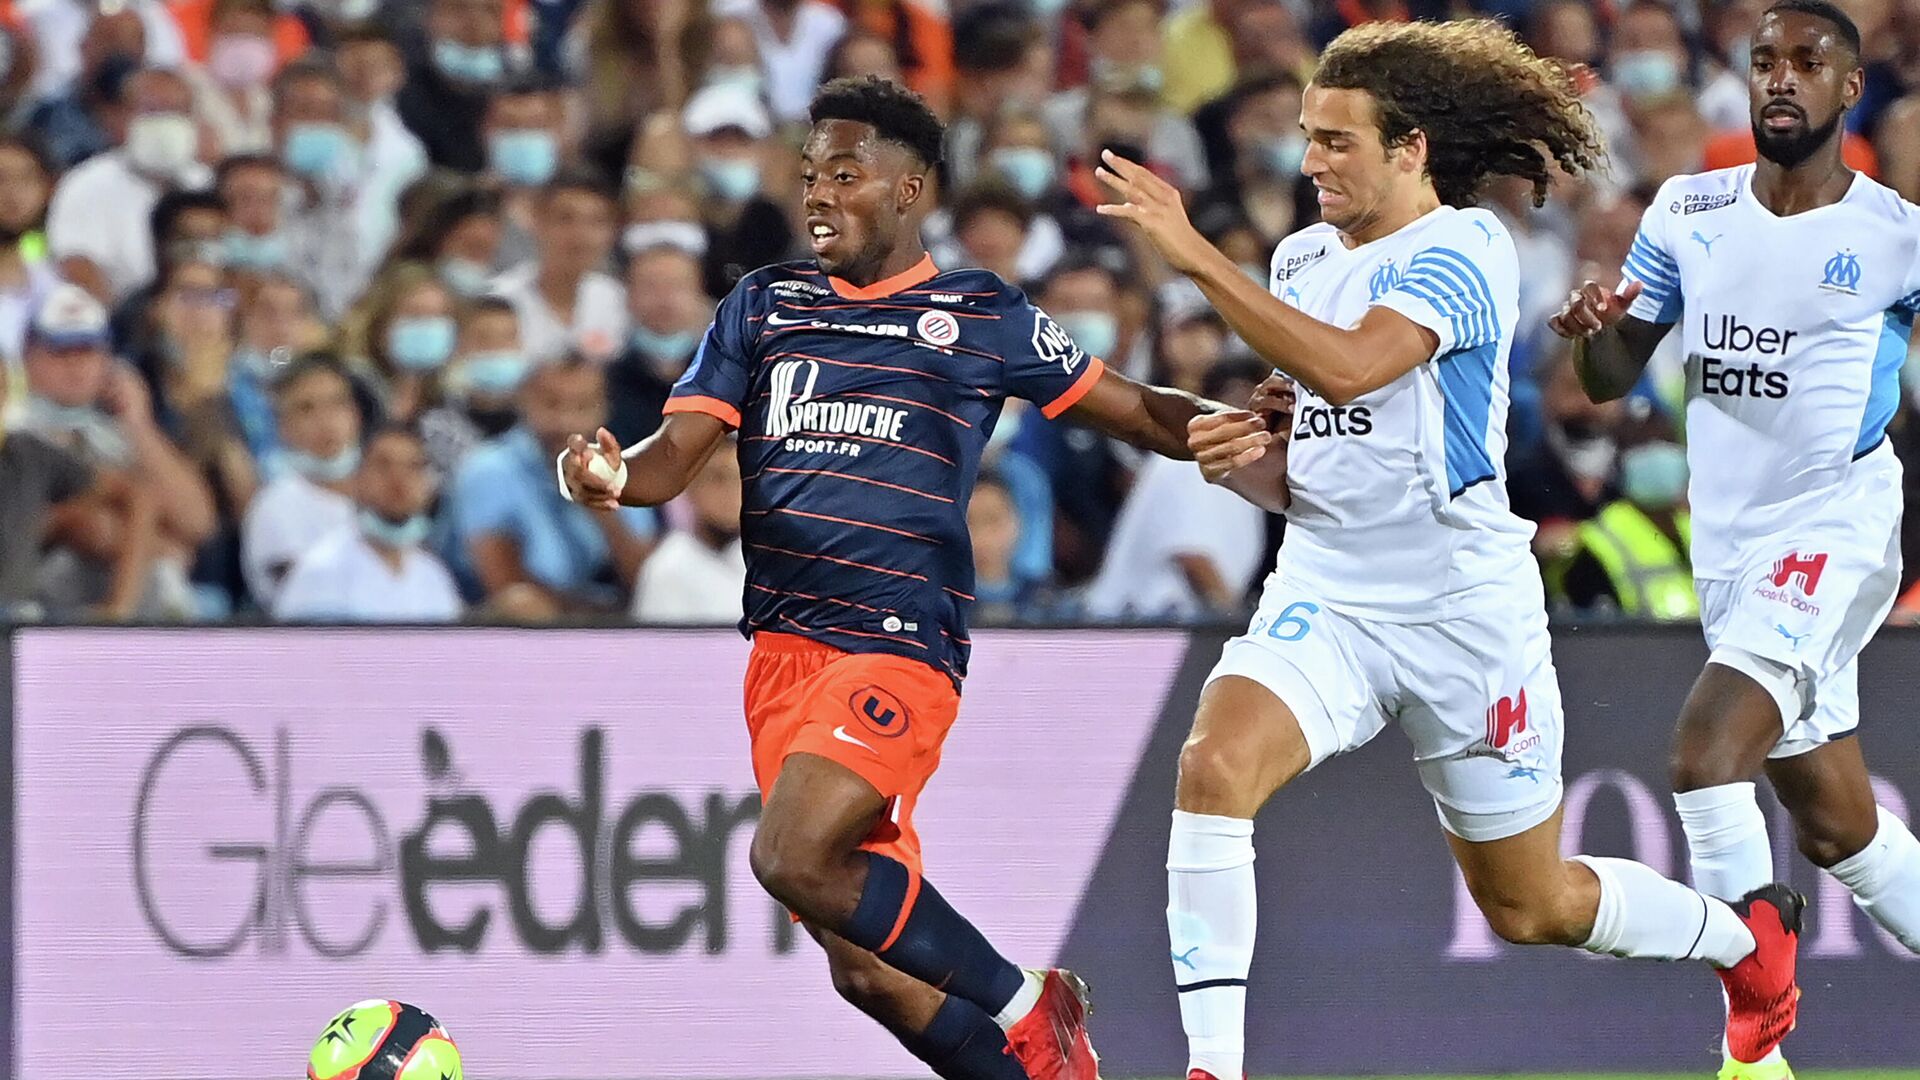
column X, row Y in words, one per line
column 1649, row 263
column 1453, row 288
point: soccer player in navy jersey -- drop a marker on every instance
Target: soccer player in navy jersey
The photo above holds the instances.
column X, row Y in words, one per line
column 864, row 384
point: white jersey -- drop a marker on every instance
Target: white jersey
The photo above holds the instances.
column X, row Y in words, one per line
column 1399, row 504
column 1795, row 332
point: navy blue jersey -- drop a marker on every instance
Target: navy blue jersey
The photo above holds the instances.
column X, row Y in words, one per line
column 862, row 415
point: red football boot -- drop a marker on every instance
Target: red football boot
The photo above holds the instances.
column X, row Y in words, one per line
column 1051, row 1040
column 1763, row 1002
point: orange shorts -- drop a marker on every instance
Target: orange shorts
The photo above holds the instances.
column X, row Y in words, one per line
column 881, row 716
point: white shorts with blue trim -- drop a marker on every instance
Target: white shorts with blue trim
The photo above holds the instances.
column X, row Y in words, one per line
column 1476, row 695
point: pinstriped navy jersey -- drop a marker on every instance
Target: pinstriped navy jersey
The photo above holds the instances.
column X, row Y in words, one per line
column 862, row 415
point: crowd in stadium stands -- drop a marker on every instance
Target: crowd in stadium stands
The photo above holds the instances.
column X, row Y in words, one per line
column 299, row 298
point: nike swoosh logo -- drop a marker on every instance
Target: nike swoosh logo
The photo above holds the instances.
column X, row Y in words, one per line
column 841, row 734
column 775, row 320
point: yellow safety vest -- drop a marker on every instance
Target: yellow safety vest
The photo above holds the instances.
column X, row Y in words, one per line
column 1649, row 574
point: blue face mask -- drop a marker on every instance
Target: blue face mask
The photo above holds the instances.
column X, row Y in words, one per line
column 1282, row 156
column 672, row 348
column 408, row 533
column 45, row 414
column 465, row 277
column 1646, row 73
column 245, row 251
column 1094, row 331
column 328, row 470
column 1028, row 168
column 319, row 151
column 421, row 344
column 469, row 63
column 746, row 76
column 494, row 373
column 731, row 179
column 524, row 156
column 1654, row 475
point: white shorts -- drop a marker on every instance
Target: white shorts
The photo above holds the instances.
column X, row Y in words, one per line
column 1810, row 607
column 1476, row 695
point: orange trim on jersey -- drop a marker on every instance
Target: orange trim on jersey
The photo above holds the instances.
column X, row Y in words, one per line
column 700, row 403
column 1095, row 368
column 919, row 272
column 822, row 599
column 907, row 401
column 906, row 909
column 881, row 367
column 955, row 312
column 843, row 562
column 845, row 521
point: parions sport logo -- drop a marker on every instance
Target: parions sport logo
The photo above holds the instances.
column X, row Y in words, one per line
column 1293, row 264
column 1694, row 204
column 334, row 870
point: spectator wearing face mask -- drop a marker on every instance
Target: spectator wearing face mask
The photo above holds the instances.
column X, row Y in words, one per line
column 993, row 227
column 670, row 315
column 524, row 152
column 1126, row 80
column 481, row 386
column 309, row 494
column 404, row 333
column 565, row 299
column 75, row 118
column 1004, row 64
column 458, row 234
column 376, row 569
column 25, row 274
column 462, row 61
column 331, row 233
column 230, row 95
column 533, row 555
column 82, row 399
column 276, row 322
column 794, row 38
column 98, row 221
column 745, row 230
column 1257, row 149
column 372, row 70
column 52, row 500
column 1632, row 556
column 252, row 189
column 70, row 40
column 697, row 573
column 185, row 225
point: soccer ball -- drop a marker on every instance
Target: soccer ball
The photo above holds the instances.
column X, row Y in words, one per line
column 379, row 1039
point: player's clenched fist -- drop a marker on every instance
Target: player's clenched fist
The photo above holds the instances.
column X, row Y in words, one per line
column 1592, row 308
column 592, row 475
column 1274, row 399
column 1225, row 441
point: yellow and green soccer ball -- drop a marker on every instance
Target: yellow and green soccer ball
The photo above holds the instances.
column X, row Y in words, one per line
column 384, row 1040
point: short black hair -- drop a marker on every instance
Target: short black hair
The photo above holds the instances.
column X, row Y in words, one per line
column 1231, row 369
column 583, row 178
column 489, row 304
column 896, row 113
column 228, row 166
column 988, row 196
column 994, row 37
column 1827, row 12
column 307, row 365
column 174, row 205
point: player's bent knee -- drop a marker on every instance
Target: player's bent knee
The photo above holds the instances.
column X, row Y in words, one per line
column 866, row 984
column 1696, row 770
column 1532, row 920
column 1218, row 776
column 1826, row 843
column 788, row 872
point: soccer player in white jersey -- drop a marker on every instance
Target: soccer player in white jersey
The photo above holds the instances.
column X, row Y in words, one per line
column 1406, row 591
column 1797, row 281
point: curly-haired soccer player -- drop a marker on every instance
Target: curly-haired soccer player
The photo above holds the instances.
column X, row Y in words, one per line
column 1406, row 591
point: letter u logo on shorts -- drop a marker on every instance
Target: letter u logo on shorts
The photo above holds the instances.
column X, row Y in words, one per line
column 879, row 712
column 784, row 402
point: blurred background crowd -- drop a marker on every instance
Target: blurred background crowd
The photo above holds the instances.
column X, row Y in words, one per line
column 298, row 298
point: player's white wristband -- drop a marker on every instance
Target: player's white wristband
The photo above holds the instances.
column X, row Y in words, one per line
column 597, row 466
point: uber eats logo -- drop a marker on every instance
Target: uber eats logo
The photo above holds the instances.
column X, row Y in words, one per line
column 1731, row 337
column 455, row 870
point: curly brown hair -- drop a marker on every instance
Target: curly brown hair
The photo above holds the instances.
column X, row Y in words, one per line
column 1488, row 105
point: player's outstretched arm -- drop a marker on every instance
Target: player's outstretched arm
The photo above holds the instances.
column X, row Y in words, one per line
column 1245, row 451
column 1337, row 364
column 657, row 468
column 1150, row 417
column 1610, row 347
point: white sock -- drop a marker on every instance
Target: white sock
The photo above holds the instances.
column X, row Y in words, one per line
column 1884, row 878
column 1645, row 915
column 1031, row 984
column 1726, row 839
column 1210, row 920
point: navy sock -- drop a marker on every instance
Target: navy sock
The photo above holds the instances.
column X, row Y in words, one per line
column 935, row 945
column 963, row 1043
